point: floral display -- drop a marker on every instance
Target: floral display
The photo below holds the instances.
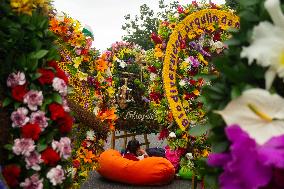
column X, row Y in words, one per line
column 179, row 69
column 246, row 118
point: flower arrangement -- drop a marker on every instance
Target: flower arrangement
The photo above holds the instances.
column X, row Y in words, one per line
column 246, row 117
column 35, row 90
column 182, row 62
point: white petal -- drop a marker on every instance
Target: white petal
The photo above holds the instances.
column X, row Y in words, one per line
column 275, row 12
column 269, row 78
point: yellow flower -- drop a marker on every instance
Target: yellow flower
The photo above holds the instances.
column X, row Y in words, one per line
column 77, row 61
column 184, row 65
column 84, row 174
column 199, row 31
column 196, row 92
column 185, row 104
column 22, row 6
column 205, row 153
column 201, row 58
column 111, row 91
column 82, row 76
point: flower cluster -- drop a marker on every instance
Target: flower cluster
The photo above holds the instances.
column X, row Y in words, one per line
column 39, row 112
column 27, row 6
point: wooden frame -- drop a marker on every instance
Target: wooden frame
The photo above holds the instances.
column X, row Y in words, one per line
column 124, row 136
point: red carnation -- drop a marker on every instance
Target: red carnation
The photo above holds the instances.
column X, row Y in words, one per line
column 31, row 131
column 76, row 163
column 59, row 73
column 53, row 64
column 50, row 156
column 65, row 123
column 56, row 110
column 156, row 38
column 11, row 174
column 152, row 69
column 46, row 76
column 19, row 92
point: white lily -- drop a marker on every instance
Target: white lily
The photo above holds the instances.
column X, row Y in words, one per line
column 258, row 112
column 267, row 46
column 172, row 135
column 122, row 64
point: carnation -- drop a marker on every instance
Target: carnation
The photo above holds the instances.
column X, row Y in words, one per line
column 23, row 146
column 50, row 156
column 56, row 175
column 56, row 111
column 63, row 147
column 31, row 130
column 65, row 123
column 40, row 119
column 18, row 92
column 60, row 86
column 65, row 105
column 33, row 99
column 11, row 174
column 32, row 182
column 15, row 79
column 19, row 117
column 33, row 161
column 46, row 76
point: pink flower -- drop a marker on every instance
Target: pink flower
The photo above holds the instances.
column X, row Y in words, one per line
column 60, row 86
column 65, row 105
column 19, row 117
column 78, row 51
column 32, row 183
column 63, row 147
column 33, row 99
column 33, row 161
column 40, row 119
column 15, row 79
column 56, row 175
column 23, row 146
column 174, row 156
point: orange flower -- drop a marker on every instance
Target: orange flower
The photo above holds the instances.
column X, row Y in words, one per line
column 108, row 114
column 87, row 156
column 102, row 65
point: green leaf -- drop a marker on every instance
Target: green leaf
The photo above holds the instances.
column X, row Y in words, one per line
column 57, row 98
column 17, row 105
column 199, row 130
column 35, row 76
column 8, row 147
column 6, row 102
column 39, row 54
column 10, row 156
column 41, row 147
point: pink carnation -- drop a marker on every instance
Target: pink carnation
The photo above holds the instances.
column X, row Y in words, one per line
column 65, row 105
column 33, row 161
column 23, row 146
column 40, row 119
column 56, row 175
column 15, row 79
column 19, row 117
column 32, row 183
column 63, row 147
column 60, row 86
column 33, row 99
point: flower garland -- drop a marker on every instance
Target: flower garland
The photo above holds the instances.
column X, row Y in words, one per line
column 194, row 40
column 36, row 90
column 249, row 133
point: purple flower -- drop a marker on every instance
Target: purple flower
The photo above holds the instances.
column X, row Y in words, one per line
column 194, row 62
column 19, row 117
column 23, row 146
column 56, row 175
column 15, row 79
column 39, row 118
column 248, row 165
column 33, row 161
column 63, row 147
column 60, row 86
column 32, row 183
column 145, row 99
column 33, row 99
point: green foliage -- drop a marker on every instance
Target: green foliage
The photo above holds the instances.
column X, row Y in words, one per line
column 140, row 27
column 233, row 3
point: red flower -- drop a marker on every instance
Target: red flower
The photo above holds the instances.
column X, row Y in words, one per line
column 84, row 144
column 50, row 156
column 154, row 96
column 180, row 9
column 76, row 163
column 217, row 36
column 56, row 110
column 19, row 92
column 31, row 131
column 59, row 73
column 213, row 6
column 46, row 76
column 189, row 96
column 183, row 44
column 194, row 3
column 152, row 69
column 156, row 38
column 65, row 123
column 84, row 51
column 163, row 134
column 11, row 174
column 192, row 82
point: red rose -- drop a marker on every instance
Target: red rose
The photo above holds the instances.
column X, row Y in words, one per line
column 31, row 131
column 50, row 156
column 56, row 110
column 59, row 73
column 65, row 123
column 76, row 163
column 19, row 92
column 46, row 76
column 11, row 174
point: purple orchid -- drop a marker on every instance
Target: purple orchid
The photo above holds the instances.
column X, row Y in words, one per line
column 248, row 165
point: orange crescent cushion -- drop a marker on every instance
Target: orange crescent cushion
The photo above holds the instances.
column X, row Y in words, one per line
column 149, row 171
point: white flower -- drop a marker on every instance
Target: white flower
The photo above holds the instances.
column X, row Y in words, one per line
column 96, row 110
column 267, row 46
column 60, row 16
column 153, row 76
column 218, row 45
column 60, row 86
column 176, row 15
column 258, row 112
column 63, row 147
column 172, row 135
column 189, row 156
column 90, row 135
column 56, row 175
column 182, row 82
column 122, row 64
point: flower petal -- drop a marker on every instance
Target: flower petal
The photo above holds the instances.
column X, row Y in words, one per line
column 274, row 9
column 270, row 75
